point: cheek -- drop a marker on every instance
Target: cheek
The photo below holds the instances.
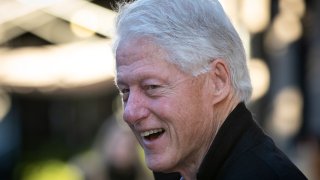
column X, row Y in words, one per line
column 194, row 114
column 181, row 113
column 172, row 110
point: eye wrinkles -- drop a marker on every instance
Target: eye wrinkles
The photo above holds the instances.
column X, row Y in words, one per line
column 152, row 88
column 149, row 90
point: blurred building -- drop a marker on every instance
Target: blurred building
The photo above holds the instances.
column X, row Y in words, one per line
column 57, row 90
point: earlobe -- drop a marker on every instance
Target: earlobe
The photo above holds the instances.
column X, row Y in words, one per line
column 220, row 75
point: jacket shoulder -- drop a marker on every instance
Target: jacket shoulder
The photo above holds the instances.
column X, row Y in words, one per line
column 263, row 161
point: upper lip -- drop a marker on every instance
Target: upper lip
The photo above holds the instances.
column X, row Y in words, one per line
column 150, row 131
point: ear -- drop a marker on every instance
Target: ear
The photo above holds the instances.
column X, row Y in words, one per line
column 220, row 76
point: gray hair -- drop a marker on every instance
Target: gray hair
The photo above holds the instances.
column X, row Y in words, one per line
column 193, row 33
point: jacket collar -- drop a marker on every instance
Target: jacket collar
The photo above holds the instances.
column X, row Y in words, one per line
column 235, row 125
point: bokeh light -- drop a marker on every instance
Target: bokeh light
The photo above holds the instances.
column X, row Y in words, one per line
column 86, row 63
column 82, row 19
column 287, row 26
column 51, row 170
column 286, row 118
column 296, row 7
column 260, row 78
column 255, row 15
column 5, row 104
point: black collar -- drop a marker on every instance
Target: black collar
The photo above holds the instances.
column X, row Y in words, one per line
column 238, row 121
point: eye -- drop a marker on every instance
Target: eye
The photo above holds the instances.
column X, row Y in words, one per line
column 124, row 92
column 151, row 87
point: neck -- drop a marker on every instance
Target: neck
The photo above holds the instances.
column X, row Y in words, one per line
column 189, row 176
column 225, row 107
column 222, row 110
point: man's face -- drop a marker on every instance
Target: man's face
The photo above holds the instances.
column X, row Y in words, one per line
column 169, row 111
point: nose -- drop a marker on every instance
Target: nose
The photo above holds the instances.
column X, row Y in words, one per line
column 135, row 108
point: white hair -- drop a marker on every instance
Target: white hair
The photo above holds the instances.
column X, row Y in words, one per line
column 193, row 32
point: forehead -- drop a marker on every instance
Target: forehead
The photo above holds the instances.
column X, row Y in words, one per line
column 142, row 58
column 134, row 50
column 136, row 54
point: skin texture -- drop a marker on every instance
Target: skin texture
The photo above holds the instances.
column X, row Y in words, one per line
column 158, row 95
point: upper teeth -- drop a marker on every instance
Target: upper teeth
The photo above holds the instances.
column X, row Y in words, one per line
column 147, row 133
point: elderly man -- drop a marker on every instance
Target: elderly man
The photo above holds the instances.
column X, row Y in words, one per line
column 181, row 71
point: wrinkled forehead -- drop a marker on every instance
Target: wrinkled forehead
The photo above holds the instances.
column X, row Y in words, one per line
column 134, row 49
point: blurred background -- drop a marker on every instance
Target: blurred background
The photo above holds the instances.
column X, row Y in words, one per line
column 60, row 116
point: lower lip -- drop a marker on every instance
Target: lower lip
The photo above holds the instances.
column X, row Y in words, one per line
column 154, row 142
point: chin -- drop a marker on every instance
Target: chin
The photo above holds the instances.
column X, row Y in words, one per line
column 159, row 164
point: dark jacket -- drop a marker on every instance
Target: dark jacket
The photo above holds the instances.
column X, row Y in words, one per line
column 241, row 150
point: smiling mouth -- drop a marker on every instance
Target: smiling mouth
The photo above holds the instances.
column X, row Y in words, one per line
column 152, row 134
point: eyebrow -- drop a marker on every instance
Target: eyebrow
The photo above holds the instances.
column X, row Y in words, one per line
column 140, row 76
